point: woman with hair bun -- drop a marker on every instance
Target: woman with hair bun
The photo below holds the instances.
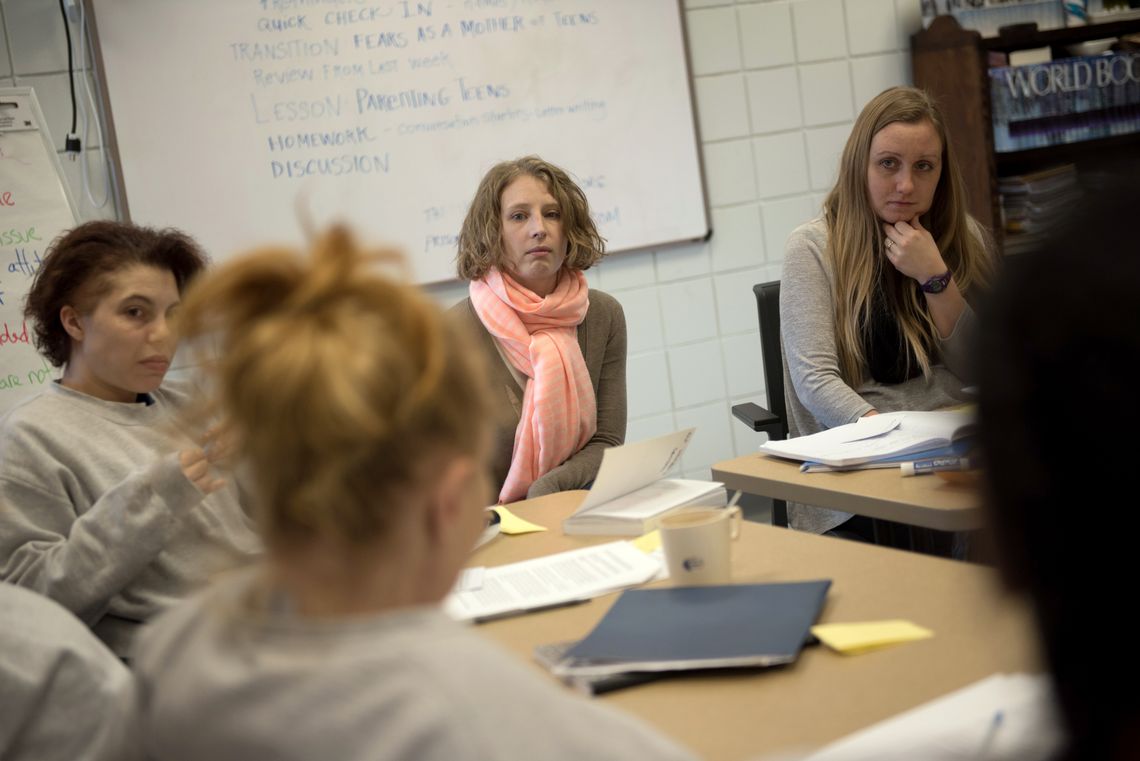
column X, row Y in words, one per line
column 365, row 418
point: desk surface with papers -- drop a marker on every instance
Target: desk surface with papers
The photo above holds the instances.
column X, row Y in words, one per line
column 925, row 501
column 823, row 695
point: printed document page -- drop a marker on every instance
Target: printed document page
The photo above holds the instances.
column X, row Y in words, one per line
column 553, row 580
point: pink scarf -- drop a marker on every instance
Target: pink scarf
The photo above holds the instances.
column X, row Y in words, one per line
column 539, row 336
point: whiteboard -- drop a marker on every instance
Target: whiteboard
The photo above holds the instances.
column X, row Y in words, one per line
column 235, row 119
column 35, row 207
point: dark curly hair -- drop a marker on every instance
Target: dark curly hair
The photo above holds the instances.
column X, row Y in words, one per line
column 77, row 267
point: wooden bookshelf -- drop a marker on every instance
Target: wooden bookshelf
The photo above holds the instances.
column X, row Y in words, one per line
column 951, row 63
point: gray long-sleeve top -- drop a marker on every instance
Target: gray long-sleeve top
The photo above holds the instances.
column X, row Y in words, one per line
column 817, row 397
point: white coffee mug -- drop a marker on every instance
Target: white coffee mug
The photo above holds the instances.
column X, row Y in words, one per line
column 698, row 544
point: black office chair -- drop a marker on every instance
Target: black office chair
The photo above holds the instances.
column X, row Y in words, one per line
column 774, row 420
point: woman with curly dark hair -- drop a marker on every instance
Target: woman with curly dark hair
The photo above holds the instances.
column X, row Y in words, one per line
column 108, row 504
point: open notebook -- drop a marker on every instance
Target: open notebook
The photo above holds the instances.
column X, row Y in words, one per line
column 631, row 493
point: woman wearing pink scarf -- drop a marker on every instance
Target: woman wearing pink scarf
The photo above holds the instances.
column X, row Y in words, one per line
column 557, row 348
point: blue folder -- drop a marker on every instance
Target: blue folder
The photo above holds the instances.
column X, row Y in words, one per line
column 683, row 628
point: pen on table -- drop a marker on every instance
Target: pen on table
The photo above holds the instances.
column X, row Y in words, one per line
column 922, row 467
column 991, row 733
column 735, row 498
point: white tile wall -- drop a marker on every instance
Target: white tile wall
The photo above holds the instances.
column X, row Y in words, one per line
column 774, row 99
column 767, row 74
column 642, row 319
column 722, row 110
column 738, row 237
column 714, row 44
column 649, row 373
column 36, row 35
column 743, row 365
column 688, row 311
column 736, row 304
column 875, row 73
column 766, row 34
column 728, row 172
column 780, row 218
column 871, row 26
column 820, row 31
column 824, row 147
column 826, row 92
column 781, row 165
column 687, row 260
column 697, row 374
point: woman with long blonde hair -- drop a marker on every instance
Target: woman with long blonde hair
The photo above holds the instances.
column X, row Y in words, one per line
column 364, row 418
column 873, row 298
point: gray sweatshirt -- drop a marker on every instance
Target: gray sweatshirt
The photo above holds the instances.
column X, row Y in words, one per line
column 63, row 695
column 817, row 397
column 228, row 678
column 96, row 513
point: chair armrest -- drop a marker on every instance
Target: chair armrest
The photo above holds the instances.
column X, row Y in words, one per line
column 759, row 419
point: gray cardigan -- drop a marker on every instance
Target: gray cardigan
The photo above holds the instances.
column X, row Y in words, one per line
column 816, row 396
column 602, row 338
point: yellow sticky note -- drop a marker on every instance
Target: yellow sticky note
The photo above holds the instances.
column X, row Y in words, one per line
column 868, row 635
column 647, row 543
column 509, row 523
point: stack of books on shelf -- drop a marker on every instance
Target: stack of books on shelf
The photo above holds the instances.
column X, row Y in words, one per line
column 1065, row 101
column 1032, row 203
column 988, row 16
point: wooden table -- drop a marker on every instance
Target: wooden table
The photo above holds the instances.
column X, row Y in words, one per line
column 824, row 695
column 925, row 501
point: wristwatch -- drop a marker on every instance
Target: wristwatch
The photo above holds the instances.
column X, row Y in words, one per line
column 936, row 284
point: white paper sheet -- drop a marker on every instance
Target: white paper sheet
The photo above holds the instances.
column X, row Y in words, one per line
column 559, row 579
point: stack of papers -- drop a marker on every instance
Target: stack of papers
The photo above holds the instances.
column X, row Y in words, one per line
column 546, row 582
column 880, row 440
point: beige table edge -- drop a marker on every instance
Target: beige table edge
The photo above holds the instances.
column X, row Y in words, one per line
column 925, row 501
column 824, row 695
